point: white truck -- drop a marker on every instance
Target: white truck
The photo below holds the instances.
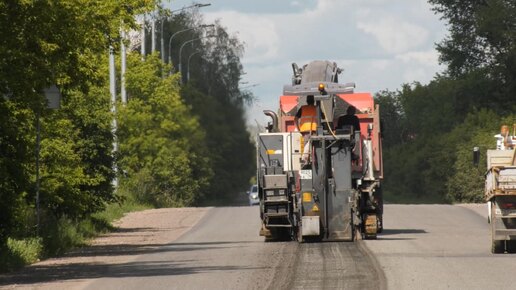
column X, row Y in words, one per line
column 500, row 190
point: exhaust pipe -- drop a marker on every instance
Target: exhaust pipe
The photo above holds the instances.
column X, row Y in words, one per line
column 274, row 118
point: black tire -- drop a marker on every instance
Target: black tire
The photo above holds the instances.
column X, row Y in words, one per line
column 497, row 247
column 380, row 224
column 379, row 211
column 511, row 246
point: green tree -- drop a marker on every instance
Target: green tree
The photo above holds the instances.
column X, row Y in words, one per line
column 76, row 155
column 162, row 147
column 482, row 42
column 15, row 151
column 214, row 95
column 442, row 121
column 466, row 183
column 61, row 42
column 391, row 117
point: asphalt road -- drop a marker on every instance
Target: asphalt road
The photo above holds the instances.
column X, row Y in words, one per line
column 224, row 251
column 422, row 247
column 441, row 247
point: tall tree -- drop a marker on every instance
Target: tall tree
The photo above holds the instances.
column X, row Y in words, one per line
column 481, row 47
column 214, row 94
column 163, row 153
column 61, row 42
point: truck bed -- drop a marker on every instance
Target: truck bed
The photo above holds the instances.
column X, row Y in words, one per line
column 501, row 173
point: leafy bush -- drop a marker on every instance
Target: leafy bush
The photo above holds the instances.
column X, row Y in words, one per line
column 162, row 146
column 20, row 252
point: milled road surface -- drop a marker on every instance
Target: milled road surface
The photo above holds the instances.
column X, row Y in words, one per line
column 422, row 247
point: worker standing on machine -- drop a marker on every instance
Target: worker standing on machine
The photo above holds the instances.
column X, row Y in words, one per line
column 306, row 123
column 350, row 119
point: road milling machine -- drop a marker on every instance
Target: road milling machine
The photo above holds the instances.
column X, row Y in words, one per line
column 332, row 191
column 500, row 190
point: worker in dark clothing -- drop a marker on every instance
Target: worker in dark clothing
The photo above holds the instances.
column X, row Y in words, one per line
column 349, row 119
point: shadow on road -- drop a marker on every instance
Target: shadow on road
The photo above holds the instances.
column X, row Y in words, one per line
column 106, row 266
column 142, row 249
column 387, row 232
column 49, row 273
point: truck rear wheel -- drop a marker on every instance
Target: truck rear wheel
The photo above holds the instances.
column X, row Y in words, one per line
column 370, row 226
column 380, row 224
column 497, row 247
column 511, row 246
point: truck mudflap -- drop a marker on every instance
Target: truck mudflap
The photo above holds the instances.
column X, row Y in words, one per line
column 310, row 226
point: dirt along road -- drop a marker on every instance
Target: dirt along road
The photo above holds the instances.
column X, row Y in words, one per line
column 422, row 247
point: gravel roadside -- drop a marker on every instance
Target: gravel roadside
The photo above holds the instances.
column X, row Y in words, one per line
column 137, row 233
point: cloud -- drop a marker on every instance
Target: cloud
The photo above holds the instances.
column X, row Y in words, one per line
column 426, row 58
column 381, row 44
column 259, row 34
column 393, row 35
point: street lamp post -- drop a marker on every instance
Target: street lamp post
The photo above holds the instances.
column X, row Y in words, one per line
column 114, row 126
column 170, row 42
column 162, row 51
column 185, row 43
column 188, row 65
column 178, row 32
column 123, row 67
column 142, row 46
column 163, row 21
column 153, row 35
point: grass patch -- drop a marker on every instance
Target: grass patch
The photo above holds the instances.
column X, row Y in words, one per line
column 19, row 252
column 71, row 234
column 116, row 211
column 61, row 235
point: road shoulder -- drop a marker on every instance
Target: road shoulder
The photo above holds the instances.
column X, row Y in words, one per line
column 137, row 233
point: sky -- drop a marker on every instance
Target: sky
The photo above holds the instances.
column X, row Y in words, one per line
column 380, row 44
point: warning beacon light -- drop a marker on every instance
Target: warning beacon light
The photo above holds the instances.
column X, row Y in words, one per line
column 322, row 89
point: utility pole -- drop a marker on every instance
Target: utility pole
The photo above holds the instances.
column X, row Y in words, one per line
column 143, row 37
column 153, row 32
column 162, row 42
column 123, row 93
column 112, row 90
